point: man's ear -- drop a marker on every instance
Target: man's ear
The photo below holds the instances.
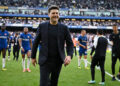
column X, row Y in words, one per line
column 49, row 14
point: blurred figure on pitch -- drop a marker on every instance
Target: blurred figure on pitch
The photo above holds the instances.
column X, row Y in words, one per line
column 75, row 43
column 4, row 35
column 33, row 37
column 115, row 39
column 82, row 42
column 93, row 50
column 100, row 45
column 9, row 46
column 25, row 42
column 92, row 47
column 16, row 47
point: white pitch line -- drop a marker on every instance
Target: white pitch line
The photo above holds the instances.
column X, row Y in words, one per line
column 106, row 73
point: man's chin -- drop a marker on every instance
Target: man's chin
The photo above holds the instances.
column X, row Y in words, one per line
column 55, row 21
column 2, row 29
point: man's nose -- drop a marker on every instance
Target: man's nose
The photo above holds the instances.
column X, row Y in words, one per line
column 56, row 14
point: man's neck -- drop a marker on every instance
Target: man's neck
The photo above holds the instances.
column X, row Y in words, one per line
column 82, row 35
column 116, row 32
column 25, row 32
column 2, row 30
column 100, row 35
column 53, row 23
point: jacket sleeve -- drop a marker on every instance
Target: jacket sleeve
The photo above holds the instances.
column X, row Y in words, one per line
column 36, row 42
column 69, row 42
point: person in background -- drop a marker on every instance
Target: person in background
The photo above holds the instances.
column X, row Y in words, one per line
column 9, row 46
column 100, row 45
column 75, row 43
column 4, row 36
column 82, row 42
column 25, row 42
column 16, row 47
column 115, row 39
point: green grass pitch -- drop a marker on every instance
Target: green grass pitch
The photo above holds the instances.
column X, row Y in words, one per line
column 70, row 75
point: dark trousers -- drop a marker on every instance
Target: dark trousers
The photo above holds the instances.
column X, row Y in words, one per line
column 114, row 60
column 95, row 61
column 91, row 53
column 16, row 53
column 75, row 51
column 92, row 50
column 3, row 52
column 49, row 73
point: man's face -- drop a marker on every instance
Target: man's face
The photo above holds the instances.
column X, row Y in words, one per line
column 54, row 15
column 97, row 33
column 3, row 27
column 25, row 30
column 16, row 35
column 83, row 32
column 115, row 28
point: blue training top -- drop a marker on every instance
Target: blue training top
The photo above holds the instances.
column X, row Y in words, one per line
column 3, row 38
column 26, row 40
column 82, row 40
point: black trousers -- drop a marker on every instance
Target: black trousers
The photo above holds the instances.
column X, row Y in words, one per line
column 75, row 51
column 3, row 52
column 16, row 53
column 95, row 61
column 49, row 73
column 114, row 60
column 92, row 51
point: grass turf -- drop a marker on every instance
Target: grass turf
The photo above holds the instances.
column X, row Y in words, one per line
column 70, row 75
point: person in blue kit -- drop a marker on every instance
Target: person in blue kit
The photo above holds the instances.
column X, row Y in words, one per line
column 9, row 46
column 82, row 42
column 4, row 35
column 25, row 42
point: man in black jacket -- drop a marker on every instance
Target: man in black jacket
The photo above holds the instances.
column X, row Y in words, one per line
column 115, row 38
column 53, row 37
column 100, row 45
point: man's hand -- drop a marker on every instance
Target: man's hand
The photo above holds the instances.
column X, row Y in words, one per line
column 67, row 60
column 91, row 57
column 7, row 46
column 83, row 46
column 22, row 49
column 34, row 62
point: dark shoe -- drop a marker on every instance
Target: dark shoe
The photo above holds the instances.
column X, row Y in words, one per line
column 118, row 76
column 113, row 79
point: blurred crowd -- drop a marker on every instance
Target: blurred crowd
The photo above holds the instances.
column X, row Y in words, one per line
column 66, row 13
column 71, row 5
column 21, row 21
column 81, row 4
column 90, row 23
column 66, row 22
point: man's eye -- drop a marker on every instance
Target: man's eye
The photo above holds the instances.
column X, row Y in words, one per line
column 54, row 13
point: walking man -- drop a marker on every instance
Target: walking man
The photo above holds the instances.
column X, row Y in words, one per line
column 53, row 36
